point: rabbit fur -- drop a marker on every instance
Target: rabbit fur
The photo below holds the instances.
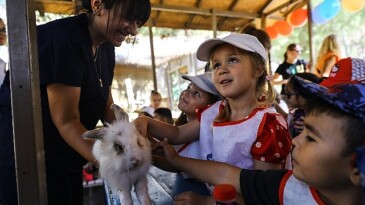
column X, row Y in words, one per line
column 124, row 157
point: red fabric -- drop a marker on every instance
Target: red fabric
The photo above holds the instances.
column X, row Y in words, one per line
column 273, row 143
column 316, row 197
column 87, row 176
column 199, row 111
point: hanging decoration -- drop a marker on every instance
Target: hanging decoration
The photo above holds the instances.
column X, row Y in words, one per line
column 330, row 8
column 283, row 28
column 317, row 17
column 298, row 18
column 353, row 5
column 270, row 30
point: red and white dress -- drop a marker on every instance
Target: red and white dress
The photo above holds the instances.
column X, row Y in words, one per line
column 263, row 135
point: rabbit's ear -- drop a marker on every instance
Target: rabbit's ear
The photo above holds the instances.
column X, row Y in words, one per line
column 119, row 113
column 94, row 134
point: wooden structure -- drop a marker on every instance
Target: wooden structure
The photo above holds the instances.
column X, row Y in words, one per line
column 215, row 15
column 229, row 15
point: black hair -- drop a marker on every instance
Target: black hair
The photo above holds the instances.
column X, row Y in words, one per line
column 307, row 76
column 291, row 47
column 352, row 128
column 165, row 113
column 132, row 10
column 181, row 120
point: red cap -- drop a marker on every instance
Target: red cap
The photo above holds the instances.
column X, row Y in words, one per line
column 347, row 70
column 224, row 192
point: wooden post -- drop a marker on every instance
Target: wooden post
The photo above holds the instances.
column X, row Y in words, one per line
column 152, row 54
column 26, row 106
column 310, row 32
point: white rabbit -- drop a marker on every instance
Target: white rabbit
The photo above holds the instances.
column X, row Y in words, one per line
column 124, row 157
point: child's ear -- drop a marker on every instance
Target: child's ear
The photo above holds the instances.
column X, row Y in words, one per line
column 356, row 177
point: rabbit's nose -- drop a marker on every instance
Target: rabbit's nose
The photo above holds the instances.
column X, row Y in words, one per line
column 136, row 162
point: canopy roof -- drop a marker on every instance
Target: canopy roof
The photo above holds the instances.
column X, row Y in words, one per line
column 221, row 15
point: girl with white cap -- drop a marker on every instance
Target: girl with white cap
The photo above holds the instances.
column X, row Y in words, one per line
column 242, row 129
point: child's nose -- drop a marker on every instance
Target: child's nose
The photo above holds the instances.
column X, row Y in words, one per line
column 223, row 69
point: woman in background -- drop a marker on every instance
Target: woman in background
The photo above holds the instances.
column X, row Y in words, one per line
column 328, row 55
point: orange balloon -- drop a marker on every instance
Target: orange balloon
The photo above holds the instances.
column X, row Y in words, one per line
column 298, row 18
column 270, row 30
column 283, row 28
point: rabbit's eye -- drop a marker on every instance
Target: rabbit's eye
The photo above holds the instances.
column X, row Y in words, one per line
column 119, row 148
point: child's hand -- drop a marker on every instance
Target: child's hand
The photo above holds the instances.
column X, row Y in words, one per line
column 141, row 124
column 170, row 152
column 192, row 198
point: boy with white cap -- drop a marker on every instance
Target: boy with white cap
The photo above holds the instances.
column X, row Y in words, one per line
column 328, row 156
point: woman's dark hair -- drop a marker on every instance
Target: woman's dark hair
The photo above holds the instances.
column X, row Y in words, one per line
column 132, row 10
column 291, row 47
column 352, row 128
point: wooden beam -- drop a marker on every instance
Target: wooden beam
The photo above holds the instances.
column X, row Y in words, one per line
column 269, row 13
column 154, row 22
column 56, row 7
column 191, row 17
column 26, row 103
column 201, row 11
column 230, row 8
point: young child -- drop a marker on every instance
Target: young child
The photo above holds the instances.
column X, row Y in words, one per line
column 328, row 156
column 240, row 130
column 163, row 114
column 297, row 103
column 200, row 93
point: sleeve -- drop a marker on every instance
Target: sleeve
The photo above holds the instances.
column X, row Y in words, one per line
column 279, row 70
column 273, row 142
column 261, row 187
column 62, row 54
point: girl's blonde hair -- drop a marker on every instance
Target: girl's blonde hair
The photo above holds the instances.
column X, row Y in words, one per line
column 265, row 94
column 330, row 44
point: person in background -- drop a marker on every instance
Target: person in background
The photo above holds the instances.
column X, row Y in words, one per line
column 291, row 65
column 155, row 102
column 328, row 156
column 3, row 39
column 143, row 112
column 297, row 103
column 76, row 65
column 163, row 114
column 328, row 55
column 239, row 74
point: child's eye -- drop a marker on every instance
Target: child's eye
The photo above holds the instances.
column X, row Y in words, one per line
column 309, row 138
column 216, row 65
column 197, row 94
column 232, row 60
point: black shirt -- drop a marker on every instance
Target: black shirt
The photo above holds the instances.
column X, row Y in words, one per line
column 261, row 187
column 286, row 70
column 65, row 56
